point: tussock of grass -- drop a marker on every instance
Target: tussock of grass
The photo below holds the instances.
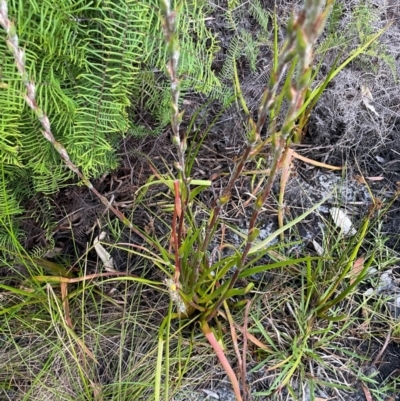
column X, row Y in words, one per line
column 119, row 322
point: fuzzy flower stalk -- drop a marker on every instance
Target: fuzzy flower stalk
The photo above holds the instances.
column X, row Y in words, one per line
column 303, row 32
column 182, row 190
column 169, row 25
column 30, row 98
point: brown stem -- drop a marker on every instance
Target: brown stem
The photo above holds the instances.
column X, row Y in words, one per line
column 266, row 104
column 176, row 240
column 224, row 197
column 304, row 32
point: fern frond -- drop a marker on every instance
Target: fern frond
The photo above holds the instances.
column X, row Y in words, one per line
column 251, row 48
column 334, row 18
column 49, row 184
column 233, row 53
column 9, row 205
column 11, row 106
column 224, row 95
column 260, row 14
column 198, row 48
column 84, row 59
column 9, row 208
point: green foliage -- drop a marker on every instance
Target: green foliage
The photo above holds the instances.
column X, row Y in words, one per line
column 260, row 15
column 96, row 108
column 90, row 62
column 361, row 28
column 334, row 37
column 84, row 60
column 233, row 53
column 9, row 208
column 199, row 284
column 243, row 43
column 364, row 20
column 198, row 46
column 95, row 64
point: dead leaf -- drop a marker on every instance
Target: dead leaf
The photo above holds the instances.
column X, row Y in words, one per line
column 360, row 179
column 211, row 394
column 342, row 221
column 65, row 303
column 102, row 253
column 52, row 253
column 318, row 248
column 314, row 162
column 356, row 269
column 149, row 228
column 97, row 391
column 367, row 393
column 250, row 336
column 368, row 99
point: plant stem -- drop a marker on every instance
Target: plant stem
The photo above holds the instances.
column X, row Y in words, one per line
column 222, row 358
column 303, row 32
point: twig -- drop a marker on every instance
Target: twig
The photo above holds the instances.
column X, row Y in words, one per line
column 385, row 344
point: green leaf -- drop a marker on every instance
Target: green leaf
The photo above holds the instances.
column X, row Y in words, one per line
column 289, row 262
column 275, row 234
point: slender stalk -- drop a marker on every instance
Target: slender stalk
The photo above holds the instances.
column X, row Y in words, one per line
column 169, row 25
column 303, row 32
column 171, row 37
column 175, row 237
column 222, row 358
column 289, row 51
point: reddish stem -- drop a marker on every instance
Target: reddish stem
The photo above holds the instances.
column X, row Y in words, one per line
column 222, row 358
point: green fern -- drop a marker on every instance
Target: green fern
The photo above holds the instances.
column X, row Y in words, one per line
column 364, row 18
column 94, row 64
column 335, row 16
column 83, row 60
column 234, row 51
column 243, row 42
column 90, row 62
column 9, row 205
column 260, row 14
column 198, row 46
column 11, row 105
column 360, row 29
column 251, row 48
column 9, row 208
